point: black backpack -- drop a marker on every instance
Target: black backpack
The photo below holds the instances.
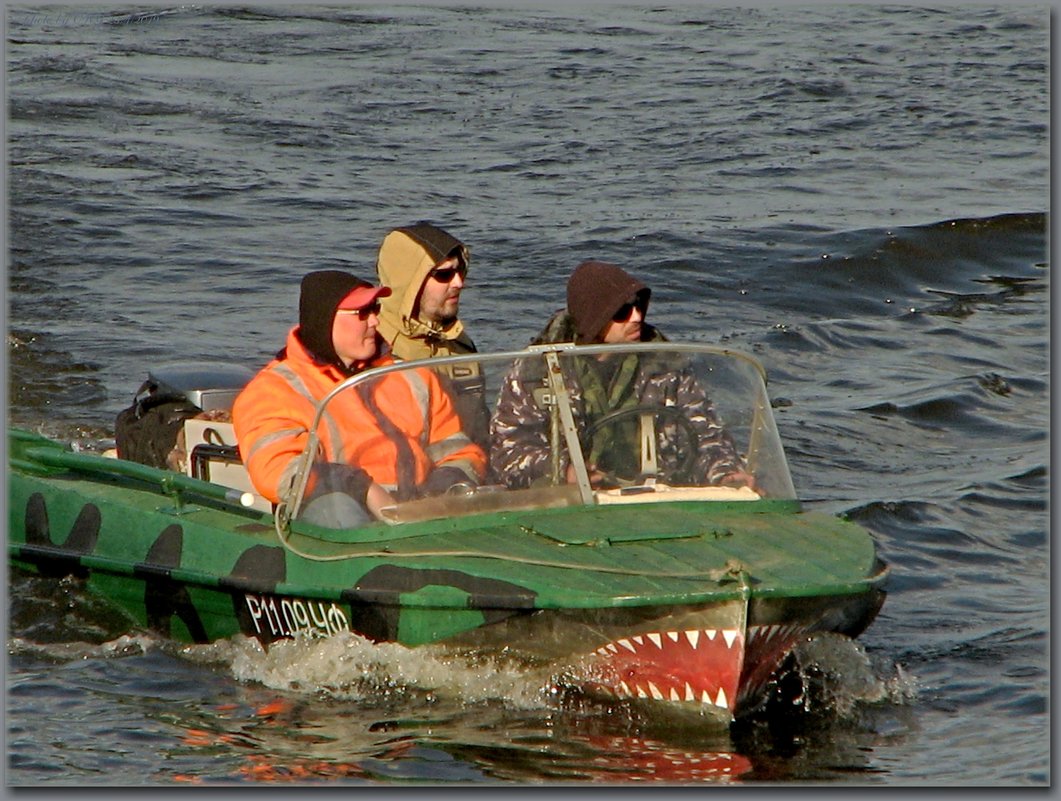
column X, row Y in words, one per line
column 146, row 432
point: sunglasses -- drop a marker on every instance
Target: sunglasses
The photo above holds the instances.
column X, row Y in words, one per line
column 362, row 314
column 622, row 314
column 445, row 274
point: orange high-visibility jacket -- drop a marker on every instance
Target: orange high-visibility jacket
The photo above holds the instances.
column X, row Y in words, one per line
column 273, row 413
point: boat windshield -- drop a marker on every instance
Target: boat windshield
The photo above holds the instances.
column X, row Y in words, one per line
column 550, row 426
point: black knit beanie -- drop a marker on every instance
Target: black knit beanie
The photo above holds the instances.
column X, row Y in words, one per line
column 321, row 294
column 596, row 290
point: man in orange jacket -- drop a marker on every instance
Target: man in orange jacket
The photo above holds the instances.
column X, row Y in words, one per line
column 395, row 438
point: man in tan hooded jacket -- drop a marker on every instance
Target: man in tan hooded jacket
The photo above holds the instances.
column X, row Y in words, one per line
column 426, row 267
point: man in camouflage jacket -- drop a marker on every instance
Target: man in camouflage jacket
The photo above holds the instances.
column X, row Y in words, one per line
column 606, row 304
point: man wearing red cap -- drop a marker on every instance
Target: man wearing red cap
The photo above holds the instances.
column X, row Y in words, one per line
column 394, row 439
column 605, row 304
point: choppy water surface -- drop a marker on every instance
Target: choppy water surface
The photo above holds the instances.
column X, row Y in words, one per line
column 858, row 195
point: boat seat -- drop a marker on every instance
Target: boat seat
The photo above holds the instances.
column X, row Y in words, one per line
column 214, row 457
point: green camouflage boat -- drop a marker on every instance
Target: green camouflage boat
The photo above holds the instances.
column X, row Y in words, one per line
column 654, row 583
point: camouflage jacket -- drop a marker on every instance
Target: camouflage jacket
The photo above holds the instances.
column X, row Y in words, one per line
column 520, row 427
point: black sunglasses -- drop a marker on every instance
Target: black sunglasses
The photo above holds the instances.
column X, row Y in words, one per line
column 622, row 314
column 445, row 274
column 363, row 314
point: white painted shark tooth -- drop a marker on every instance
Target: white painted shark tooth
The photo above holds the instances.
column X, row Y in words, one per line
column 638, row 639
column 730, row 635
column 654, row 636
column 721, row 699
column 710, row 633
column 689, row 695
column 673, row 636
column 674, row 695
column 705, row 698
column 640, row 691
column 612, row 647
column 626, row 644
column 652, row 688
column 624, row 687
column 693, row 636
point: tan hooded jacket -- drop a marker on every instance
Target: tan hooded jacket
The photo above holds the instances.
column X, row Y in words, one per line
column 406, row 257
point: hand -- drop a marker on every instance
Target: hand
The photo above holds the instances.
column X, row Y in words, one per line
column 377, row 499
column 442, row 478
column 738, row 478
column 596, row 477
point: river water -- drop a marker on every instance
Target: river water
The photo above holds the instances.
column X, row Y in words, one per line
column 858, row 195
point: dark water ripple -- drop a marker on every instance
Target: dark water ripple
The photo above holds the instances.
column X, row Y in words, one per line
column 857, row 195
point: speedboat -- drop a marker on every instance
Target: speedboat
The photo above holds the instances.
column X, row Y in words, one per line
column 656, row 584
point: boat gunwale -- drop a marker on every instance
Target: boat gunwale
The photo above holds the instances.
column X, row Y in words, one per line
column 228, row 583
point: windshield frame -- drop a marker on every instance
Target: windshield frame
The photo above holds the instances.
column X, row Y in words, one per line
column 762, row 415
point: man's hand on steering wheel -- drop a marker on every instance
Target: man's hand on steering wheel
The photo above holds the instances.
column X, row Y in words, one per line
column 598, row 479
column 738, row 478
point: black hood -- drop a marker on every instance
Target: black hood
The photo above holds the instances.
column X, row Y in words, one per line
column 321, row 293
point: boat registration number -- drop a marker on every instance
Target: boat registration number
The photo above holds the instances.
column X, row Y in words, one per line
column 286, row 617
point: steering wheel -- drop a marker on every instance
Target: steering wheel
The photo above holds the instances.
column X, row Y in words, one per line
column 674, row 413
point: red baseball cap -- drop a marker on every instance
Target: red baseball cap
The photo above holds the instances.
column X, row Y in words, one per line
column 363, row 295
